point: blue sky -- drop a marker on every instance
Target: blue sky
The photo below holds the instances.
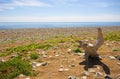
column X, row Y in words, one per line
column 59, row 10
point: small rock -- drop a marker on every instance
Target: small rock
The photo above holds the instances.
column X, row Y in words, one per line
column 85, row 73
column 99, row 74
column 98, row 67
column 92, row 71
column 69, row 50
column 21, row 75
column 112, row 57
column 50, row 56
column 27, row 78
column 72, row 65
column 70, row 77
column 57, row 55
column 43, row 52
column 66, row 69
column 61, row 66
column 44, row 56
column 118, row 63
column 38, row 64
column 44, row 63
column 61, row 70
column 33, row 64
column 2, row 60
column 118, row 57
column 84, row 77
column 73, row 60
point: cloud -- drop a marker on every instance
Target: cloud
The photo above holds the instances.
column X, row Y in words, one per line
column 21, row 3
column 100, row 18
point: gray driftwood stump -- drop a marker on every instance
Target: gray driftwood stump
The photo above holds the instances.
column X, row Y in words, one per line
column 91, row 49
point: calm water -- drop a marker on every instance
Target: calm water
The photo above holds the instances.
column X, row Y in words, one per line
column 14, row 25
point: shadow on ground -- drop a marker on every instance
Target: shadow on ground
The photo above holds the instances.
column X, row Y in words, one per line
column 96, row 61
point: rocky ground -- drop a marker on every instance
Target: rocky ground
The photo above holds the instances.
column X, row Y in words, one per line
column 62, row 61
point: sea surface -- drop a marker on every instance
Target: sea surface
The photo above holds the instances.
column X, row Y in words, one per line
column 17, row 25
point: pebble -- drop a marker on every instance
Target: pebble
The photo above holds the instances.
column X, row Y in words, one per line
column 44, row 56
column 50, row 56
column 84, row 77
column 69, row 50
column 27, row 78
column 43, row 52
column 72, row 65
column 70, row 77
column 60, row 69
column 92, row 71
column 38, row 64
column 118, row 57
column 112, row 57
column 118, row 63
column 57, row 55
column 99, row 74
column 21, row 75
column 44, row 63
column 98, row 67
column 85, row 73
column 66, row 69
column 2, row 60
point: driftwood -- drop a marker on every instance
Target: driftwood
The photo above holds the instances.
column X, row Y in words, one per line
column 91, row 49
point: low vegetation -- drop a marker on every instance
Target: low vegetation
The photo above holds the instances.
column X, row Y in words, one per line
column 14, row 67
column 34, row 56
column 115, row 49
column 77, row 50
column 22, row 49
column 113, row 36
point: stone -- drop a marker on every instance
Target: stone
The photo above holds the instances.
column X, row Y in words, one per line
column 118, row 57
column 44, row 56
column 99, row 74
column 33, row 64
column 92, row 71
column 21, row 75
column 50, row 56
column 66, row 69
column 2, row 60
column 57, row 55
column 44, row 63
column 72, row 65
column 112, row 57
column 85, row 73
column 70, row 77
column 69, row 50
column 43, row 52
column 60, row 69
column 61, row 66
column 38, row 64
column 84, row 77
column 27, row 78
column 98, row 67
column 118, row 63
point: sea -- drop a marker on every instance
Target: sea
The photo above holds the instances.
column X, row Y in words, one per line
column 20, row 25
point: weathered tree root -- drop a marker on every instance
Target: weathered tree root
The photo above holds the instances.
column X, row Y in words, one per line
column 91, row 49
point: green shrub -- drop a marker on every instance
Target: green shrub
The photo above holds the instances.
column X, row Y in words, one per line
column 113, row 36
column 34, row 56
column 26, row 48
column 77, row 50
column 116, row 49
column 14, row 67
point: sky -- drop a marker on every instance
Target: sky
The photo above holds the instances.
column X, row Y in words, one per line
column 59, row 10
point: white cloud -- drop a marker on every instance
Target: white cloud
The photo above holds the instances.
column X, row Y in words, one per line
column 101, row 18
column 21, row 3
